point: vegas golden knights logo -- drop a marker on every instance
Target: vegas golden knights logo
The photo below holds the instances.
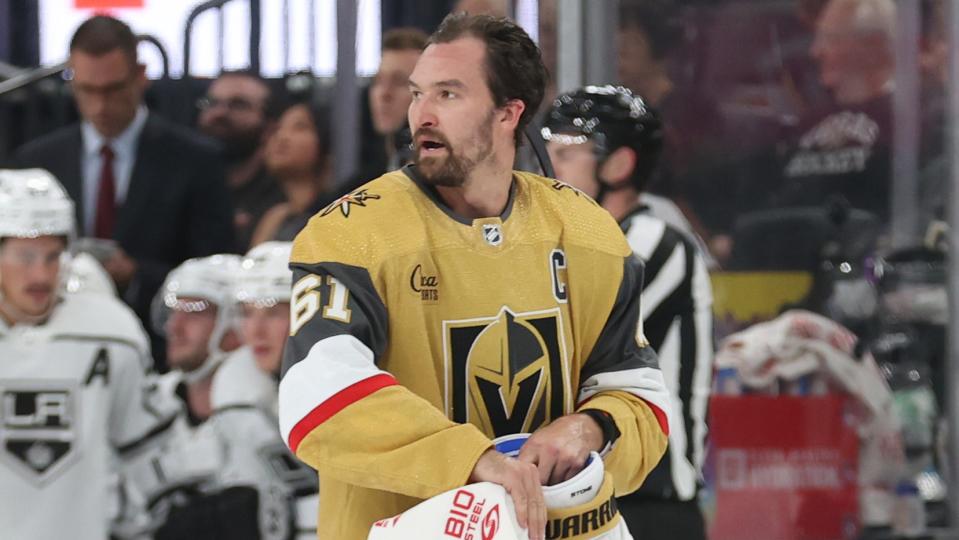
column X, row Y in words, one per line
column 506, row 374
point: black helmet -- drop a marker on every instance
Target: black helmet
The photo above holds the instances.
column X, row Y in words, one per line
column 611, row 117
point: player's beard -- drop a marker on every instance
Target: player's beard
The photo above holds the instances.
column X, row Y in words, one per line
column 453, row 169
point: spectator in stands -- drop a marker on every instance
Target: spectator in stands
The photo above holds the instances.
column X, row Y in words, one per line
column 837, row 156
column 648, row 34
column 153, row 191
column 297, row 155
column 844, row 151
column 238, row 110
column 854, row 48
column 390, row 97
column 935, row 159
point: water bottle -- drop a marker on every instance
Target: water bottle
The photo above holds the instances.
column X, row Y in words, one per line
column 909, row 514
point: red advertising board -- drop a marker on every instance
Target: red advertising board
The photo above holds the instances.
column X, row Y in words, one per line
column 107, row 4
column 783, row 468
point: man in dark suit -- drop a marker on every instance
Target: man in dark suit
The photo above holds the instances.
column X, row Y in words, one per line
column 155, row 189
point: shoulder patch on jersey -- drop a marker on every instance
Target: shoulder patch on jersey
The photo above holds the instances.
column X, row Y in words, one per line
column 559, row 185
column 346, row 202
column 98, row 317
column 585, row 223
column 362, row 227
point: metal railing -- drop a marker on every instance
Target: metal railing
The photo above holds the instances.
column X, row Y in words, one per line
column 20, row 78
column 218, row 5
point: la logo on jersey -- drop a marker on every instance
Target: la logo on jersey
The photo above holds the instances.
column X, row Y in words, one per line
column 39, row 427
column 505, row 374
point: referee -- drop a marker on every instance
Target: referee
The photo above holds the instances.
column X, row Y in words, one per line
column 605, row 141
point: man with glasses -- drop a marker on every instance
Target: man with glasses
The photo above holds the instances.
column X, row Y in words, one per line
column 238, row 110
column 152, row 194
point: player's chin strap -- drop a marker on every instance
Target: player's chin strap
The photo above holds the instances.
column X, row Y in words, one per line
column 215, row 355
column 538, row 145
column 606, row 188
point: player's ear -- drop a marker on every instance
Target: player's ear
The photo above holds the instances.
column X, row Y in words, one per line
column 619, row 166
column 511, row 113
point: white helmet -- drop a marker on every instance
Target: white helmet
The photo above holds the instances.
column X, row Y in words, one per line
column 32, row 204
column 205, row 281
column 85, row 274
column 265, row 278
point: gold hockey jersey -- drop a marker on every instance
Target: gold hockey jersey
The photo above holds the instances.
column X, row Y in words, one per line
column 418, row 336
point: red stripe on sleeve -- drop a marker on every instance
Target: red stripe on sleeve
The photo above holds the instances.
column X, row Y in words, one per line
column 657, row 412
column 337, row 402
column 660, row 416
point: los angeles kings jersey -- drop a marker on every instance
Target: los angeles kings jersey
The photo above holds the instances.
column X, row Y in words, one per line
column 418, row 336
column 227, row 475
column 72, row 400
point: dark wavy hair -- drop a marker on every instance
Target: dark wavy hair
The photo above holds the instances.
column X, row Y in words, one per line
column 514, row 66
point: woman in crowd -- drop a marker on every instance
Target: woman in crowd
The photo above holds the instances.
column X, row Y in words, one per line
column 297, row 156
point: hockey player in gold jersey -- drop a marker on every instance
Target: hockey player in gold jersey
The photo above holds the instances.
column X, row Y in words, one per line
column 456, row 301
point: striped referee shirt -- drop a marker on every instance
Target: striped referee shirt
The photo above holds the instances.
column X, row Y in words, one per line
column 677, row 319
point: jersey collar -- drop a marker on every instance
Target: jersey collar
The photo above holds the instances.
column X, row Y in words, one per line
column 430, row 191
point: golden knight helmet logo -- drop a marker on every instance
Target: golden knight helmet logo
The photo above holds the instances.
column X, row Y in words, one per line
column 508, row 373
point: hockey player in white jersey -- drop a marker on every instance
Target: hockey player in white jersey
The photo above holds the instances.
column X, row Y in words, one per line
column 263, row 312
column 72, row 398
column 194, row 311
column 226, row 473
column 85, row 274
column 263, row 318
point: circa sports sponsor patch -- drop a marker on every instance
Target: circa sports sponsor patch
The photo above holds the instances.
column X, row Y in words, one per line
column 425, row 283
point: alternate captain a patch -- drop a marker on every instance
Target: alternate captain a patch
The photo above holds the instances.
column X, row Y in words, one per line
column 506, row 374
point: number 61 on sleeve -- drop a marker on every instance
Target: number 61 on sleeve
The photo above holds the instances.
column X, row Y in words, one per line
column 306, row 301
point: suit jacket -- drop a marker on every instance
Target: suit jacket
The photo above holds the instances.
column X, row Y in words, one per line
column 177, row 205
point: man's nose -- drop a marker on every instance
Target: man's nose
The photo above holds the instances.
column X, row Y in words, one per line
column 422, row 115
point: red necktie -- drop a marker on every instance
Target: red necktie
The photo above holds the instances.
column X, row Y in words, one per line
column 106, row 196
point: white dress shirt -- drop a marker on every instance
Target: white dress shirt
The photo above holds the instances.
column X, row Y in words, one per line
column 124, row 148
